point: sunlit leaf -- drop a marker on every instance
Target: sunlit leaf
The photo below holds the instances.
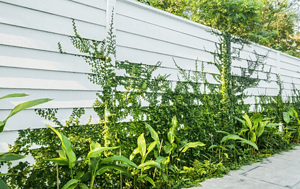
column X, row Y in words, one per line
column 66, row 147
column 13, row 95
column 142, row 145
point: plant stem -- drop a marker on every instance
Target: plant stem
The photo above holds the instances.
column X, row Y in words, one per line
column 57, row 177
column 92, row 182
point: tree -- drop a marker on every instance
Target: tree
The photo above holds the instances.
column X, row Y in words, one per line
column 272, row 23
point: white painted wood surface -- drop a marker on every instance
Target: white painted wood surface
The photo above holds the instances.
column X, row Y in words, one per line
column 30, row 61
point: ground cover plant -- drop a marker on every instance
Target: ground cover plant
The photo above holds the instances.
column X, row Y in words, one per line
column 155, row 133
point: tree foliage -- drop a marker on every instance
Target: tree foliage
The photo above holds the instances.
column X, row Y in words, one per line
column 272, row 23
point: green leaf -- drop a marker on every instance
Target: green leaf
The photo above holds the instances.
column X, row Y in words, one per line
column 142, row 145
column 286, row 117
column 153, row 133
column 71, row 184
column 66, row 147
column 248, row 121
column 252, row 136
column 223, row 132
column 10, row 157
column 97, row 151
column 150, row 180
column 150, row 163
column 261, row 128
column 249, row 143
column 118, row 158
column 79, row 174
column 83, row 186
column 191, row 145
column 151, row 146
column 149, row 149
column 13, row 95
column 231, row 137
column 171, row 133
column 135, row 151
column 168, row 148
column 160, row 159
column 295, row 112
column 94, row 145
column 256, row 118
column 103, row 169
column 3, row 184
column 26, row 105
column 59, row 161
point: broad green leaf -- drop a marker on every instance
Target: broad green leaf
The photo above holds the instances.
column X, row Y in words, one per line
column 171, row 133
column 26, row 105
column 150, row 164
column 150, row 180
column 151, row 146
column 3, row 174
column 248, row 121
column 10, row 157
column 13, row 95
column 272, row 125
column 62, row 154
column 174, row 122
column 83, row 186
column 71, row 184
column 94, row 145
column 149, row 149
column 242, row 121
column 142, row 145
column 118, row 158
column 260, row 128
column 249, row 143
column 191, row 145
column 168, row 148
column 286, row 117
column 231, row 137
column 66, row 147
column 79, row 174
column 135, row 151
column 160, row 159
column 295, row 112
column 243, row 131
column 153, row 133
column 97, row 151
column 3, row 184
column 256, row 118
column 59, row 161
column 103, row 169
column 252, row 136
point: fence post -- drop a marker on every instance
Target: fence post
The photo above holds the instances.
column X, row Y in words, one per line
column 278, row 62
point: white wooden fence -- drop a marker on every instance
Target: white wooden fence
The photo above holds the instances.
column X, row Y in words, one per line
column 31, row 63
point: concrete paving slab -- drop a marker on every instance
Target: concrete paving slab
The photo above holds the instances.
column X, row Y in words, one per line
column 278, row 177
column 297, row 186
column 237, row 182
column 276, row 172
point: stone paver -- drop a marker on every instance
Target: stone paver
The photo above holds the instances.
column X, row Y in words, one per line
column 280, row 171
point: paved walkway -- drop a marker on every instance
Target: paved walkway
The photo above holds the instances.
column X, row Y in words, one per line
column 280, row 171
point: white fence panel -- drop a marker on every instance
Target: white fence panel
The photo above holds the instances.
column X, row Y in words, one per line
column 30, row 61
